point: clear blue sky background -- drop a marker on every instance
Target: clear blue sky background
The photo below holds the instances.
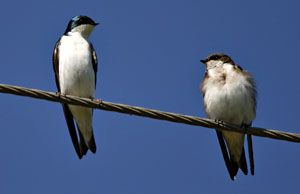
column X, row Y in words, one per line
column 149, row 54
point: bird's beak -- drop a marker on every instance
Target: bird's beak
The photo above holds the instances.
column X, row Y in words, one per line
column 203, row 61
column 95, row 24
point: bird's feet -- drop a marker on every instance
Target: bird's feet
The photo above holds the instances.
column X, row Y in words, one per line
column 59, row 94
column 220, row 122
column 98, row 101
column 246, row 127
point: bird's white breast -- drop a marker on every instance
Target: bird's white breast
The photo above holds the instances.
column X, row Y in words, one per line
column 229, row 97
column 76, row 73
column 231, row 100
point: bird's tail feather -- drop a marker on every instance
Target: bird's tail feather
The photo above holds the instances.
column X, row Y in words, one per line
column 234, row 167
column 92, row 144
column 231, row 166
column 84, row 146
column 243, row 163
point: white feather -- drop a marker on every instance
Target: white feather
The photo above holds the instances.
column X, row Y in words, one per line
column 229, row 100
column 77, row 77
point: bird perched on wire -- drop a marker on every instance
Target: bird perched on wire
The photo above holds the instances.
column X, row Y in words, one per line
column 75, row 67
column 230, row 95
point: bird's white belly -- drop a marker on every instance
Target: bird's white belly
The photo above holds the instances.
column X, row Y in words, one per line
column 76, row 73
column 77, row 77
column 228, row 103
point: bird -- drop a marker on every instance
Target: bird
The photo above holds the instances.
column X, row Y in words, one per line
column 75, row 67
column 229, row 95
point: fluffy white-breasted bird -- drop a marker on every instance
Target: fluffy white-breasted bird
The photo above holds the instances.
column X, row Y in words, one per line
column 230, row 95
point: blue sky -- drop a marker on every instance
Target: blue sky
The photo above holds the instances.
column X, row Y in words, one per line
column 149, row 54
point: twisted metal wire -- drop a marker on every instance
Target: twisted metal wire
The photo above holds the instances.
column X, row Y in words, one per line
column 151, row 113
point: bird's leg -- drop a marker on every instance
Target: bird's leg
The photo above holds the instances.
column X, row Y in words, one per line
column 219, row 121
column 98, row 101
column 245, row 127
column 59, row 94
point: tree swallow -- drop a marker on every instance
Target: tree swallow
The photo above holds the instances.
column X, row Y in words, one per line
column 75, row 67
column 230, row 95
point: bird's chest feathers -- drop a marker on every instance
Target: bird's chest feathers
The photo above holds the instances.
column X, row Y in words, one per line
column 226, row 95
column 75, row 67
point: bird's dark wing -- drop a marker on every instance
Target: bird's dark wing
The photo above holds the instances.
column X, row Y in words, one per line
column 55, row 62
column 250, row 148
column 251, row 156
column 253, row 94
column 67, row 112
column 94, row 61
column 232, row 170
column 72, row 130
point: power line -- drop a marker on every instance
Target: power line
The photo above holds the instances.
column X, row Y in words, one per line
column 151, row 113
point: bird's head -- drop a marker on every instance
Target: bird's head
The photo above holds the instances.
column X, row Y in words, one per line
column 81, row 24
column 216, row 59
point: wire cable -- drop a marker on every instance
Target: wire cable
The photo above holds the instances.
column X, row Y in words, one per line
column 144, row 112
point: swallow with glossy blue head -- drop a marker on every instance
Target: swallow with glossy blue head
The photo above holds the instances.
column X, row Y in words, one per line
column 75, row 66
